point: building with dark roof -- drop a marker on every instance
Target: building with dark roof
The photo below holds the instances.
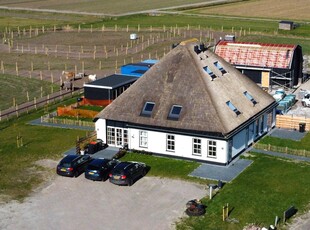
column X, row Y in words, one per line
column 192, row 104
column 265, row 64
column 103, row 91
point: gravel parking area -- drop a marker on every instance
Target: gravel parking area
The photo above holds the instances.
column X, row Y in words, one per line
column 78, row 203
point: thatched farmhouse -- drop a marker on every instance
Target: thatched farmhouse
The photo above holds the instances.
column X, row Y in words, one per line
column 265, row 64
column 191, row 104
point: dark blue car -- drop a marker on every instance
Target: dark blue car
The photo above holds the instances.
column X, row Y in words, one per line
column 73, row 165
column 99, row 169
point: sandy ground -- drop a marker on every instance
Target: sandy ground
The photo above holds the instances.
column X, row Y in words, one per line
column 78, row 203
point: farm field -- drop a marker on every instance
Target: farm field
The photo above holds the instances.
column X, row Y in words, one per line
column 277, row 9
column 99, row 6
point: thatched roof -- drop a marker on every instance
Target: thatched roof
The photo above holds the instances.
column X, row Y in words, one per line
column 179, row 78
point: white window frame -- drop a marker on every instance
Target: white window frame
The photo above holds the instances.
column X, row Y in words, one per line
column 119, row 136
column 212, row 148
column 170, row 143
column 125, row 132
column 111, row 135
column 196, row 147
column 143, row 140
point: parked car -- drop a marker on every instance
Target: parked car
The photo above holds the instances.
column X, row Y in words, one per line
column 99, row 169
column 73, row 165
column 126, row 173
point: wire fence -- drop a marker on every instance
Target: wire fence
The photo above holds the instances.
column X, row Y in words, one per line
column 54, row 120
column 297, row 152
column 37, row 103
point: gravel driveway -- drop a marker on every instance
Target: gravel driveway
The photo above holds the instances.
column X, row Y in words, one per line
column 78, row 203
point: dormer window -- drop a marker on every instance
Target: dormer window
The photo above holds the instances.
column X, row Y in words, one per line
column 175, row 112
column 233, row 108
column 209, row 71
column 220, row 67
column 147, row 109
column 250, row 98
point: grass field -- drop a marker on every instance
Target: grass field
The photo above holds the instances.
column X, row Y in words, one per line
column 276, row 9
column 19, row 173
column 99, row 6
column 262, row 192
column 16, row 88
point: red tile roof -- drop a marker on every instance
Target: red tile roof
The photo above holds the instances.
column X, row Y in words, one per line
column 256, row 54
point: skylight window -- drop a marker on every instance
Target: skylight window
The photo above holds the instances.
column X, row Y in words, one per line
column 209, row 71
column 147, row 109
column 249, row 97
column 175, row 112
column 220, row 67
column 233, row 108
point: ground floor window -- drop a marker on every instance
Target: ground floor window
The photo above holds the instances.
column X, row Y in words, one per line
column 125, row 136
column 143, row 139
column 211, row 148
column 111, row 136
column 117, row 136
column 170, row 143
column 197, row 147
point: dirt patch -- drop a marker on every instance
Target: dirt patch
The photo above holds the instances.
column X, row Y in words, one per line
column 77, row 203
column 47, row 163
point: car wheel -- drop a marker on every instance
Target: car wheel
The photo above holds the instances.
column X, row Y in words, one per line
column 143, row 172
column 76, row 174
column 130, row 182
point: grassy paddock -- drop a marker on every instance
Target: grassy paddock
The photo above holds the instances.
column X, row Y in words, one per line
column 262, row 192
column 17, row 87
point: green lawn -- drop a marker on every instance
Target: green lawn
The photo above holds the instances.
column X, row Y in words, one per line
column 259, row 194
column 19, row 174
column 165, row 167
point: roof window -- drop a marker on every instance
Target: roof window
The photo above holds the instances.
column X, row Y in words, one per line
column 233, row 108
column 250, row 98
column 220, row 67
column 147, row 109
column 209, row 71
column 175, row 112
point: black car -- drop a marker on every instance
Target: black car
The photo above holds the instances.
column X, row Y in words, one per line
column 99, row 169
column 73, row 165
column 126, row 173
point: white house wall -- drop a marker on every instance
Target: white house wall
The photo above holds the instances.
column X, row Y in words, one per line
column 183, row 146
column 100, row 127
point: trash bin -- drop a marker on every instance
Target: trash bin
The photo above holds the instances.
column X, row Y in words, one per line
column 219, row 184
column 302, row 127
